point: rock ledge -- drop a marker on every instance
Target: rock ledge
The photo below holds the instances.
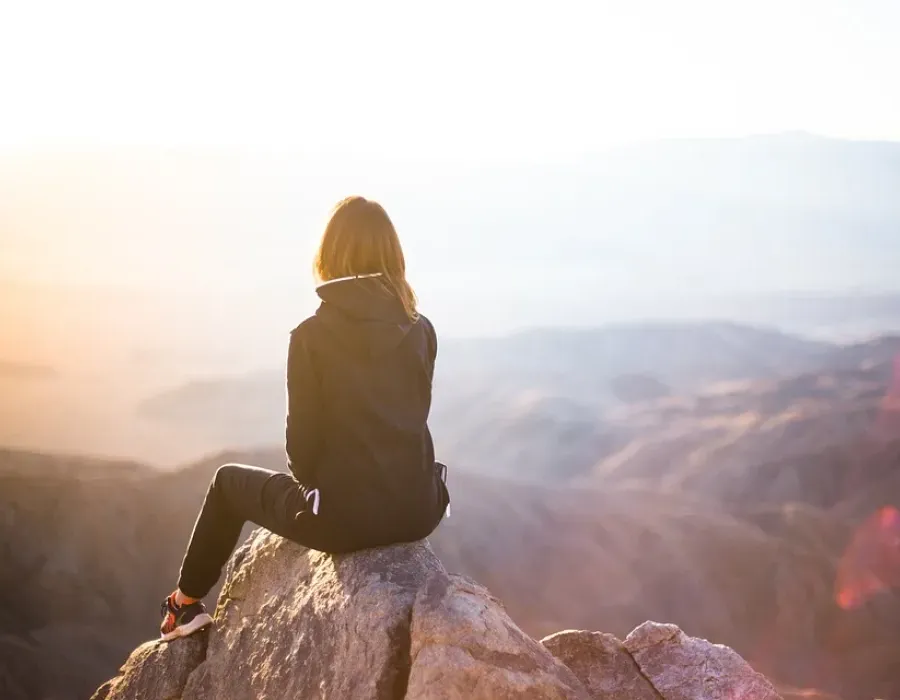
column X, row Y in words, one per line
column 391, row 623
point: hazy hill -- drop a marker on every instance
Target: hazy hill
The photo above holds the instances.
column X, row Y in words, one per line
column 683, row 355
column 574, row 367
column 79, row 572
column 850, row 406
column 548, row 405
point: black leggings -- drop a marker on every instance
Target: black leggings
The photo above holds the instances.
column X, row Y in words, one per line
column 273, row 500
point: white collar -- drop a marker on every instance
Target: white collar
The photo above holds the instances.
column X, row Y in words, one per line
column 349, row 277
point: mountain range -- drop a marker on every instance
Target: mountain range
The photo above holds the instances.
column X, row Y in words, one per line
column 757, row 511
column 557, row 405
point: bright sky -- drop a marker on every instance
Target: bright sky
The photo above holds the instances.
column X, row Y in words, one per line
column 470, row 77
column 471, row 80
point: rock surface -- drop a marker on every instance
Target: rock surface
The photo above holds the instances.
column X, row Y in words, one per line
column 156, row 670
column 603, row 665
column 295, row 623
column 685, row 668
column 392, row 623
column 464, row 645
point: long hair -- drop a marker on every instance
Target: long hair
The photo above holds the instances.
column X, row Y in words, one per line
column 360, row 239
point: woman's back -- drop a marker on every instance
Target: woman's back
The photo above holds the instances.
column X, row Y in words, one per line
column 372, row 366
column 359, row 383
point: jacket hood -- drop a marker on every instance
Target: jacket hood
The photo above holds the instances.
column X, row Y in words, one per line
column 362, row 313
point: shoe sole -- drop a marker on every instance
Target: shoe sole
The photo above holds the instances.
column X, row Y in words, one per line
column 195, row 625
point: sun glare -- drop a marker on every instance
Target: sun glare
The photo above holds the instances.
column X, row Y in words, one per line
column 403, row 78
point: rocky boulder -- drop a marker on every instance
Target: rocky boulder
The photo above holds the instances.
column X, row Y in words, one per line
column 685, row 668
column 392, row 623
column 603, row 665
column 658, row 661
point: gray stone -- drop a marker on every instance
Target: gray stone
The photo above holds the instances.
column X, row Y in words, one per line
column 156, row 670
column 687, row 668
column 602, row 663
column 465, row 646
column 295, row 623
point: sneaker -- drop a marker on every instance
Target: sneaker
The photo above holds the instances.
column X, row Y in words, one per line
column 182, row 620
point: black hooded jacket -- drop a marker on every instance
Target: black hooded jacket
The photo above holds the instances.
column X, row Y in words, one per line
column 359, row 376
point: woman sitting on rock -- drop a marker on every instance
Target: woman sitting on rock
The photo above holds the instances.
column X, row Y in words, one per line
column 359, row 452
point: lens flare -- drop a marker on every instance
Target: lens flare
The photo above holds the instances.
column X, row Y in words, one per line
column 871, row 563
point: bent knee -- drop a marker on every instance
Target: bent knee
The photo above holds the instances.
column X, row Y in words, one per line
column 225, row 473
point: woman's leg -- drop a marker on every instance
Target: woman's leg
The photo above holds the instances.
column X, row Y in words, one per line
column 237, row 493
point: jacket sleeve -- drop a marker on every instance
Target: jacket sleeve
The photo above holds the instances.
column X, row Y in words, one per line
column 302, row 431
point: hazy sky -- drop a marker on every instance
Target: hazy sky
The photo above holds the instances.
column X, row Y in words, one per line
column 471, row 78
column 319, row 86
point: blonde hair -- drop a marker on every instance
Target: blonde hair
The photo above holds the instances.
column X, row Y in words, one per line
column 360, row 239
